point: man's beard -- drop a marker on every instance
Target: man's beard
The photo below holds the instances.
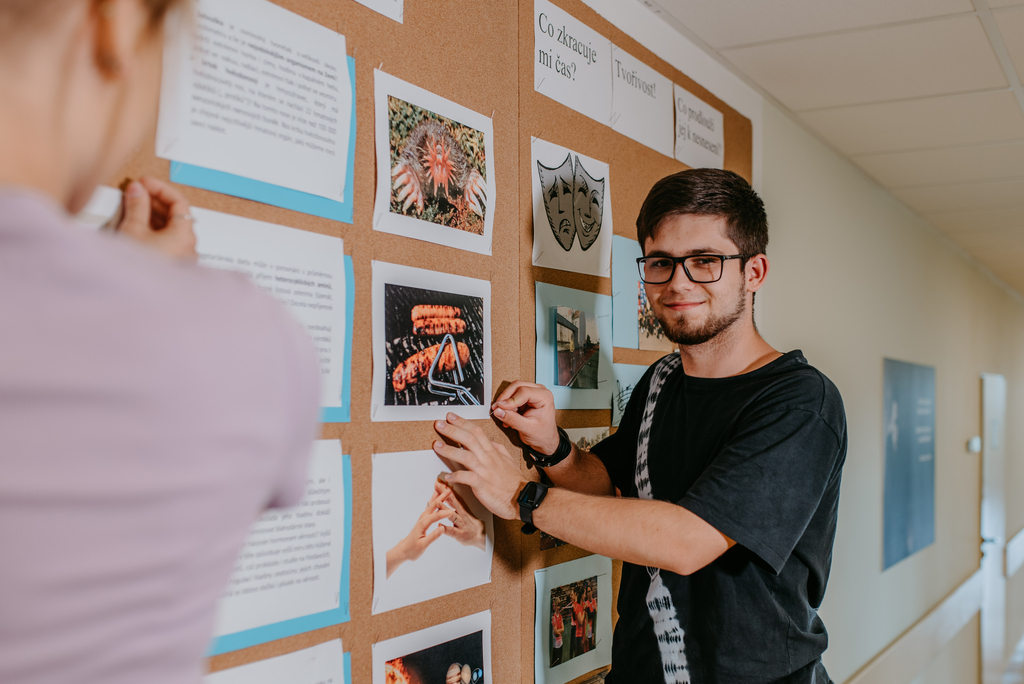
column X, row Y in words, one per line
column 690, row 336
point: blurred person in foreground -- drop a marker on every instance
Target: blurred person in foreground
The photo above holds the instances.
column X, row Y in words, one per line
column 150, row 409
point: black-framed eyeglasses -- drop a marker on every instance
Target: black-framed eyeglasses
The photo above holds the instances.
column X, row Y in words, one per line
column 699, row 268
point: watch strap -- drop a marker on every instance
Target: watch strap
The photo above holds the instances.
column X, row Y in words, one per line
column 561, row 452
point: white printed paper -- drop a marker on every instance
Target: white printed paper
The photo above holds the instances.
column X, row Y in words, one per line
column 254, row 90
column 641, row 102
column 572, row 62
column 291, row 563
column 572, row 211
column 434, row 652
column 581, row 591
column 700, row 132
column 403, row 485
column 320, row 664
column 393, row 9
column 435, row 167
column 304, row 270
column 419, row 316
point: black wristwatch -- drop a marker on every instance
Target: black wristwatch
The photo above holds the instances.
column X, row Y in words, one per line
column 529, row 499
column 561, row 453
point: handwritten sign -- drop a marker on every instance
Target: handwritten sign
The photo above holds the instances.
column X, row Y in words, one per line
column 641, row 102
column 572, row 62
column 700, row 132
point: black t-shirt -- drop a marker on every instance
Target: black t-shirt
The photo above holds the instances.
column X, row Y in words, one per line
column 759, row 457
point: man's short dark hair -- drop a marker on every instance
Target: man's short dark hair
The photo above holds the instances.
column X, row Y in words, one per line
column 708, row 192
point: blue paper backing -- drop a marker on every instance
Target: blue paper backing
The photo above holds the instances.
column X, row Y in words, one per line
column 343, row 413
column 258, row 191
column 625, row 276
column 307, row 623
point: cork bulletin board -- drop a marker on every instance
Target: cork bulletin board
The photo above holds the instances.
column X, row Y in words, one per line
column 480, row 55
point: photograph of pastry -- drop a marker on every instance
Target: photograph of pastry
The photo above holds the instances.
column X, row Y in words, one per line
column 577, row 348
column 455, row 652
column 459, row 661
column 431, row 342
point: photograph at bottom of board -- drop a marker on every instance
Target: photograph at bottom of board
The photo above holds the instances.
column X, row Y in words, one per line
column 456, row 652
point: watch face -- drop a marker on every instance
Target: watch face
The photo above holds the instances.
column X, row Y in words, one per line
column 529, row 494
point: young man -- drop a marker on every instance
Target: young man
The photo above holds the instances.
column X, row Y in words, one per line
column 728, row 460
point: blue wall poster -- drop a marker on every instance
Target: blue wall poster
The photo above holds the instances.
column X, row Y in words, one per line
column 909, row 429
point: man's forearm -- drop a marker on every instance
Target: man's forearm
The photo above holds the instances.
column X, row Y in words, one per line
column 655, row 533
column 582, row 472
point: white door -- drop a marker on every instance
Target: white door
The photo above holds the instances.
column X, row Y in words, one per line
column 993, row 528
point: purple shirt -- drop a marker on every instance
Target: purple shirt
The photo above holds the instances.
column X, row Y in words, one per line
column 149, row 411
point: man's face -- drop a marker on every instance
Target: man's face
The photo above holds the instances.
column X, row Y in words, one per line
column 693, row 313
column 588, row 205
column 557, row 186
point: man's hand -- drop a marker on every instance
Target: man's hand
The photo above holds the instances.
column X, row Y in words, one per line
column 157, row 214
column 490, row 470
column 417, row 541
column 529, row 409
column 465, row 528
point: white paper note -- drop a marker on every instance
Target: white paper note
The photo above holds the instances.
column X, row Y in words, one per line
column 403, row 484
column 320, row 664
column 572, row 62
column 700, row 132
column 291, row 563
column 572, row 210
column 304, row 270
column 254, row 90
column 641, row 102
column 393, row 9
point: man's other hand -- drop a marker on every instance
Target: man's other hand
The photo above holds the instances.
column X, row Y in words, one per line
column 490, row 470
column 529, row 409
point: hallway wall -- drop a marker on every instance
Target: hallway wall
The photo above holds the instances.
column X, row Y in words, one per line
column 857, row 277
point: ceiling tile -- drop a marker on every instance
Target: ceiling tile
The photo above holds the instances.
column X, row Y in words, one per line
column 966, row 196
column 935, row 57
column 946, row 165
column 990, row 220
column 737, row 22
column 1011, row 27
column 925, row 123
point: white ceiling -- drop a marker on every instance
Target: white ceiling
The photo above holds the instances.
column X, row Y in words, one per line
column 924, row 95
